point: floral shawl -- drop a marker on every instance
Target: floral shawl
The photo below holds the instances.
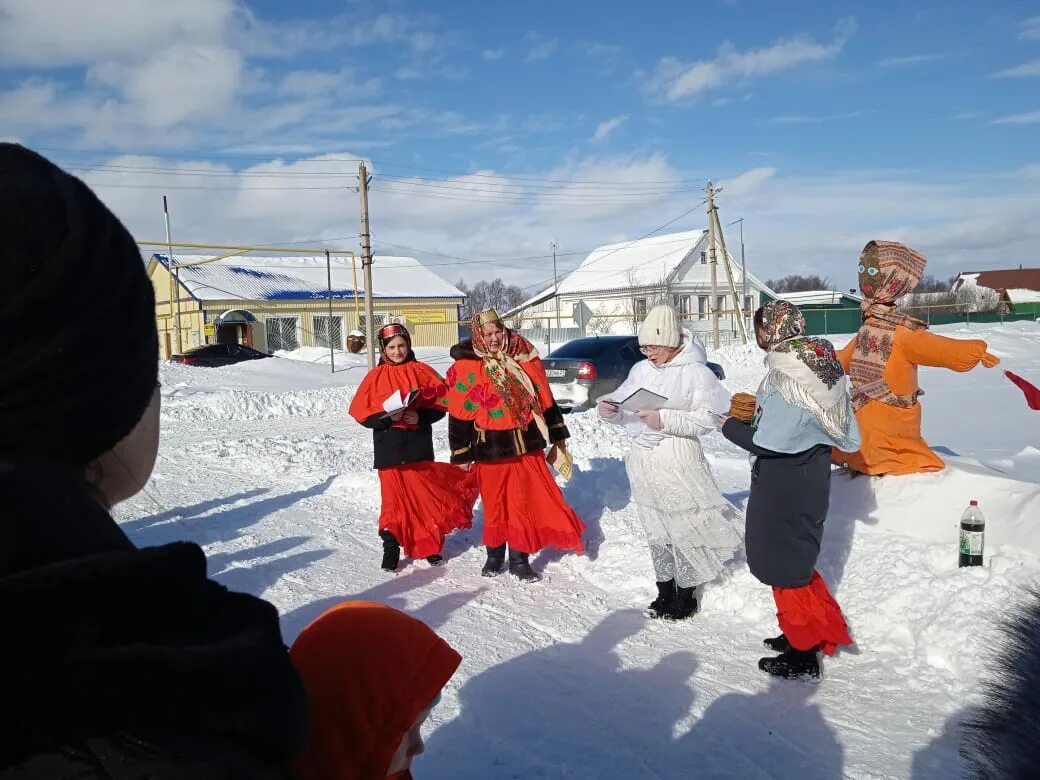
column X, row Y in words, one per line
column 804, row 370
column 514, row 386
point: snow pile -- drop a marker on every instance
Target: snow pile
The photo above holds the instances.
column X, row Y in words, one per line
column 565, row 679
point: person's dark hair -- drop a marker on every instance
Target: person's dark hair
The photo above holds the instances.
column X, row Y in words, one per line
column 760, row 318
column 71, row 271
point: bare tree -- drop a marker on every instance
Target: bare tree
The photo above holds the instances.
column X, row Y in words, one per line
column 796, row 283
column 495, row 294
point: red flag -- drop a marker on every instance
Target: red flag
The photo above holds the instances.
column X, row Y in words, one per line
column 1031, row 391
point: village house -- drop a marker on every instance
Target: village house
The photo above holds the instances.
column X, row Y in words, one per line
column 1017, row 290
column 614, row 287
column 282, row 303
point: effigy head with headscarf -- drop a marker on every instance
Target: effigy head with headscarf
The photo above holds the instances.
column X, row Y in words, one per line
column 502, row 351
column 888, row 270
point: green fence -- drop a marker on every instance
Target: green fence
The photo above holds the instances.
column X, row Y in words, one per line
column 847, row 320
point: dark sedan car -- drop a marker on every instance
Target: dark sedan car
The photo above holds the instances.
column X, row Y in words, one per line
column 582, row 370
column 218, row 355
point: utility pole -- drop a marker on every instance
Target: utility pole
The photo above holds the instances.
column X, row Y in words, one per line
column 328, row 330
column 556, row 283
column 713, row 260
column 737, row 311
column 366, row 264
column 175, row 281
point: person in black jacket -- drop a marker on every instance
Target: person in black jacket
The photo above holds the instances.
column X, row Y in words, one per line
column 803, row 409
column 116, row 662
column 422, row 500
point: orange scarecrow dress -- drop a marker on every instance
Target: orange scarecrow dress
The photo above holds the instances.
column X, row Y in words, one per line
column 505, row 433
column 422, row 500
column 882, row 362
column 369, row 671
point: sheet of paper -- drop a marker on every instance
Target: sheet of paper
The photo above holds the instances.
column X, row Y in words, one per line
column 395, row 402
column 643, row 400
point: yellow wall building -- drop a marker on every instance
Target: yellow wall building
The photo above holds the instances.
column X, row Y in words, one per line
column 282, row 303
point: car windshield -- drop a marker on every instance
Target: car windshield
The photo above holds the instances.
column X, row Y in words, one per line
column 589, row 349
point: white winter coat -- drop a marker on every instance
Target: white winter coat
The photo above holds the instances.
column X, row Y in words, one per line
column 693, row 391
column 691, row 528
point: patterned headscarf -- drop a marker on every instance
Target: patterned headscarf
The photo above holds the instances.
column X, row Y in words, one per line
column 804, row 370
column 888, row 271
column 507, row 375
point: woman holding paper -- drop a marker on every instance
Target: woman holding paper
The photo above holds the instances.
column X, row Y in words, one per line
column 503, row 416
column 666, row 403
column 423, row 500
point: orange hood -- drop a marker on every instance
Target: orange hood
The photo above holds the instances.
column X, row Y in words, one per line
column 369, row 670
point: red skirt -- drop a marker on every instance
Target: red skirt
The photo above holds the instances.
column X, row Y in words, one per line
column 423, row 502
column 810, row 617
column 524, row 507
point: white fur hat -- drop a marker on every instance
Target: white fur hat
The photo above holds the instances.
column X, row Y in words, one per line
column 660, row 328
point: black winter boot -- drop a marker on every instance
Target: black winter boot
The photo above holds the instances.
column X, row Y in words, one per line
column 435, row 560
column 665, row 598
column 496, row 558
column 391, row 551
column 778, row 644
column 684, row 606
column 793, row 665
column 520, row 567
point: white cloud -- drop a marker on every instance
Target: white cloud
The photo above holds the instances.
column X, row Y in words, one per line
column 541, row 48
column 491, row 55
column 1028, row 118
column 48, row 33
column 1029, row 29
column 604, row 129
column 676, row 80
column 911, row 59
column 806, row 119
column 793, row 223
column 1020, row 71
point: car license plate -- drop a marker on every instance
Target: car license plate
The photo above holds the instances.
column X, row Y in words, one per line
column 555, row 372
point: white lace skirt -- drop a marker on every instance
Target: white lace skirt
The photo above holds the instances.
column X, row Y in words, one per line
column 691, row 529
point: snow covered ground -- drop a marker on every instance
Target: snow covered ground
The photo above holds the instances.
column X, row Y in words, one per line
column 565, row 679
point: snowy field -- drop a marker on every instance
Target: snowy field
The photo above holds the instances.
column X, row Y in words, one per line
column 261, row 465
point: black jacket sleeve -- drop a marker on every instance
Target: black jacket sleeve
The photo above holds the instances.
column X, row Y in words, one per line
column 378, row 422
column 742, row 434
column 554, row 422
column 460, row 440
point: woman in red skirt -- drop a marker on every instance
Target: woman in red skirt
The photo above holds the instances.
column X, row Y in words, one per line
column 502, row 417
column 422, row 500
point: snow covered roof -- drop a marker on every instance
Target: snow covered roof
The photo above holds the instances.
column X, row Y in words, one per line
column 1023, row 296
column 266, row 278
column 643, row 263
column 1011, row 279
column 817, row 297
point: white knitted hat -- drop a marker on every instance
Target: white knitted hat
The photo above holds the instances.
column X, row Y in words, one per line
column 660, row 328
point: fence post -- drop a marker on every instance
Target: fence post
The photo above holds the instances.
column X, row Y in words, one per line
column 826, row 328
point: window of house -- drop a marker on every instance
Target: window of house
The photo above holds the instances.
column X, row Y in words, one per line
column 682, row 305
column 749, row 304
column 378, row 320
column 704, row 258
column 640, row 307
column 720, row 303
column 282, row 333
column 702, row 307
column 328, row 331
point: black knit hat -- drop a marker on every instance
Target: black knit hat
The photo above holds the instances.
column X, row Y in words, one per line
column 79, row 356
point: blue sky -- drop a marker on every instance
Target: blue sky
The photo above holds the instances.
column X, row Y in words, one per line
column 494, row 129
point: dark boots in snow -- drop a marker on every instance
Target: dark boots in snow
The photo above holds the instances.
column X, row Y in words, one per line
column 520, row 567
column 793, row 665
column 435, row 560
column 496, row 558
column 684, row 606
column 778, row 644
column 665, row 598
column 391, row 551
